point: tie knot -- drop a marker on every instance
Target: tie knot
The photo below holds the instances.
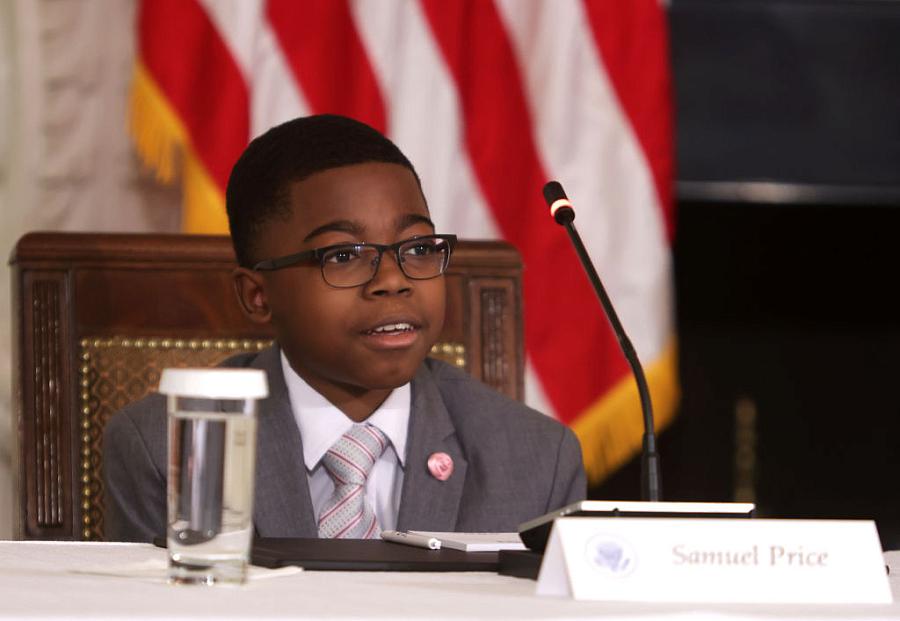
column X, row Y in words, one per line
column 351, row 458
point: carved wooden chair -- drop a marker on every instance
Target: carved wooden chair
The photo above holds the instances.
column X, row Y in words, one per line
column 98, row 316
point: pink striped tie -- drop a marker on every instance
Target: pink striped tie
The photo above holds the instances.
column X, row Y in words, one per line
column 347, row 515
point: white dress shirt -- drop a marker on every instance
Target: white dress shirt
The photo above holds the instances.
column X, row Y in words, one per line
column 322, row 424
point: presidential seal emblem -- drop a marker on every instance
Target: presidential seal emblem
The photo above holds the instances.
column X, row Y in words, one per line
column 611, row 556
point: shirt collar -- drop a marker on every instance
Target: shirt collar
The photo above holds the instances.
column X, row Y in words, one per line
column 322, row 424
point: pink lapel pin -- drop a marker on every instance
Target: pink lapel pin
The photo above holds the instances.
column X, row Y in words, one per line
column 440, row 465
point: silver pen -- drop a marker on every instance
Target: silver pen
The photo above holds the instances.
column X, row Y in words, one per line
column 419, row 541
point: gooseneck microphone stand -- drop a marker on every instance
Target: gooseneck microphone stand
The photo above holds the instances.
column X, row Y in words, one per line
column 562, row 211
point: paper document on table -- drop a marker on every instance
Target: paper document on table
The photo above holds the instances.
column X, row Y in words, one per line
column 475, row 542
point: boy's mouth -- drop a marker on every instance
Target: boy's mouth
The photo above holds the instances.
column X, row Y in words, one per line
column 392, row 328
column 392, row 334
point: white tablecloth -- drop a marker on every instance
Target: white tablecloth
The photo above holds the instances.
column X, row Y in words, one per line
column 84, row 581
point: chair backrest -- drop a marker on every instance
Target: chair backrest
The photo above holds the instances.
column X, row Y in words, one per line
column 98, row 316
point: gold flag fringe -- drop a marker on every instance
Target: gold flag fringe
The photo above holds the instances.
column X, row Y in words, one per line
column 163, row 144
column 611, row 430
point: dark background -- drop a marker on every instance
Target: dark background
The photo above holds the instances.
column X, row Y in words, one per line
column 787, row 259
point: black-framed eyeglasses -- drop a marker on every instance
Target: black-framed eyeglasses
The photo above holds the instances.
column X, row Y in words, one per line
column 352, row 265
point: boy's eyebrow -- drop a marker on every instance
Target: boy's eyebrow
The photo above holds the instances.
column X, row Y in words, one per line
column 341, row 226
column 407, row 220
column 348, row 226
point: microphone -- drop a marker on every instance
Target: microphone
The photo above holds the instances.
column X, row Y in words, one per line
column 564, row 214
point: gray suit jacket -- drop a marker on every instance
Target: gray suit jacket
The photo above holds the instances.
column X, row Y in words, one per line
column 511, row 463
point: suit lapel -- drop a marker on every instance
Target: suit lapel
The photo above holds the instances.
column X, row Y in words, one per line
column 283, row 507
column 427, row 503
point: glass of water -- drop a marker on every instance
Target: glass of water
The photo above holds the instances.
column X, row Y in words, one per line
column 212, row 458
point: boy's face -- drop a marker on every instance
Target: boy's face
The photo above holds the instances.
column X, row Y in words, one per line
column 327, row 332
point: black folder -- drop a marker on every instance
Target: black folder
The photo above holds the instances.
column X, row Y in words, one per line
column 365, row 555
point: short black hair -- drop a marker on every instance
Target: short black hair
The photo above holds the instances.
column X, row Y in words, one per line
column 259, row 185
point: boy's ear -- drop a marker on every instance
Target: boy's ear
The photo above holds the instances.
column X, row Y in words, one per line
column 251, row 293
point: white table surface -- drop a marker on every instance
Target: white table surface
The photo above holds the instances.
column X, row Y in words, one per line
column 55, row 580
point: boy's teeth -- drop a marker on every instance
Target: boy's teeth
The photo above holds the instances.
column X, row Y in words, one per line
column 393, row 327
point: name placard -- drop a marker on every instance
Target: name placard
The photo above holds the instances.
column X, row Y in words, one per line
column 715, row 561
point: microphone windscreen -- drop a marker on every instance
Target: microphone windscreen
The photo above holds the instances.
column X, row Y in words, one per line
column 553, row 191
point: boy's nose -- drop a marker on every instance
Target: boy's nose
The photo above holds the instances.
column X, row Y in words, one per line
column 389, row 278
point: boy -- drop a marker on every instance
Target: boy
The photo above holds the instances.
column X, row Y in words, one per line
column 337, row 252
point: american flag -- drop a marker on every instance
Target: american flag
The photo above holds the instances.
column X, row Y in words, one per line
column 489, row 99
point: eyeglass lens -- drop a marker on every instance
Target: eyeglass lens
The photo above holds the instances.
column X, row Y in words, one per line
column 353, row 265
